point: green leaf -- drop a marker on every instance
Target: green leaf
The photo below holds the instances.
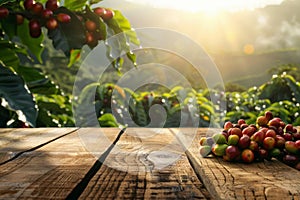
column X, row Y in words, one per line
column 42, row 1
column 132, row 57
column 295, row 88
column 11, row 46
column 141, row 117
column 75, row 5
column 276, row 90
column 30, row 74
column 37, row 82
column 95, row 1
column 9, row 26
column 44, row 86
column 2, row 2
column 108, row 120
column 297, row 122
column 45, row 119
column 68, row 36
column 206, row 108
column 201, row 100
column 120, row 24
column 54, row 111
column 74, row 57
column 86, row 94
column 83, row 111
column 34, row 44
column 13, row 90
column 101, row 89
column 8, row 56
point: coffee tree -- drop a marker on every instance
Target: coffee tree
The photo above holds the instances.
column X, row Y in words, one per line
column 28, row 97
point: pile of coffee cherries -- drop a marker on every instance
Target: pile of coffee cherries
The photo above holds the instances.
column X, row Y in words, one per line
column 269, row 138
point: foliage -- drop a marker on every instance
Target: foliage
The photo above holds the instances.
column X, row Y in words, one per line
column 280, row 88
column 17, row 97
column 247, row 105
column 28, row 96
column 280, row 95
column 233, row 87
column 108, row 120
column 140, row 103
column 291, row 69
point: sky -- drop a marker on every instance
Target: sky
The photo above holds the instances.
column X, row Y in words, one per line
column 209, row 6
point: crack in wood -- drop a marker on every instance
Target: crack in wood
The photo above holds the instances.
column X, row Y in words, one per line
column 204, row 190
column 139, row 183
column 80, row 187
column 52, row 172
column 36, row 147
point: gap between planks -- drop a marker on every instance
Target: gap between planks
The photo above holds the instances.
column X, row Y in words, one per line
column 168, row 182
column 258, row 180
column 37, row 147
column 68, row 161
column 80, row 187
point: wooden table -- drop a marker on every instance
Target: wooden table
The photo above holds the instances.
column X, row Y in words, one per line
column 109, row 163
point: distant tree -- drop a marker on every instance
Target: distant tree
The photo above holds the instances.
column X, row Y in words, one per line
column 290, row 69
column 233, row 87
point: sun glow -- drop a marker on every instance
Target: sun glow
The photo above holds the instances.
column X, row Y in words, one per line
column 208, row 6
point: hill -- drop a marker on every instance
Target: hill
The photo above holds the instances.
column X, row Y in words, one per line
column 272, row 31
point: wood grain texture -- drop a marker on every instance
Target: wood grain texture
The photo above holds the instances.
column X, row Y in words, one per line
column 29, row 137
column 15, row 141
column 226, row 180
column 144, row 163
column 133, row 169
column 52, row 171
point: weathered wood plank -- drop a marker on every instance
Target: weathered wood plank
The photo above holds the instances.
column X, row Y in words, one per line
column 52, row 171
column 225, row 180
column 29, row 137
column 14, row 141
column 133, row 169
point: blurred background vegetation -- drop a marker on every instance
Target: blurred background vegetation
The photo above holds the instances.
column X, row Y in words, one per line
column 265, row 79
